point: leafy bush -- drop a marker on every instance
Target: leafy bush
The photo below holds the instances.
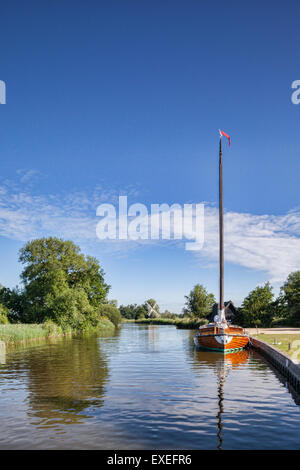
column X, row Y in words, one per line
column 51, row 328
column 190, row 323
column 3, row 315
column 111, row 312
column 70, row 308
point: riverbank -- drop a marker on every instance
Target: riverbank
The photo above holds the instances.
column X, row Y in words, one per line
column 11, row 334
column 179, row 323
column 287, row 343
column 288, row 365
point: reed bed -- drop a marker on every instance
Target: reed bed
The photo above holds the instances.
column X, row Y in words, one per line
column 14, row 333
column 21, row 333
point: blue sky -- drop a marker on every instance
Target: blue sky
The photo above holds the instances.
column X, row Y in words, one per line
column 126, row 97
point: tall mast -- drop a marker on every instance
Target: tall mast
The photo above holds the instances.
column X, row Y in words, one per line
column 221, row 233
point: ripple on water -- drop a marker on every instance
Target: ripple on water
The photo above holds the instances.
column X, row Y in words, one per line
column 145, row 387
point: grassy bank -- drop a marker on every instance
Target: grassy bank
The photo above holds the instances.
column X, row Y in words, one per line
column 289, row 343
column 21, row 333
column 179, row 323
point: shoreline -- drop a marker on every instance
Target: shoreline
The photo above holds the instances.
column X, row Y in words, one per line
column 180, row 324
column 285, row 364
column 12, row 334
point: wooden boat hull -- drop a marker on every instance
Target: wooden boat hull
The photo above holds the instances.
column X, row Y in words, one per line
column 221, row 341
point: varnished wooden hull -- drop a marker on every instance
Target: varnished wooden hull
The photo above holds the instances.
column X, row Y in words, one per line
column 228, row 340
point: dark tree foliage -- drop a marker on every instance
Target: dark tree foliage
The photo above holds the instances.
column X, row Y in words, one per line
column 256, row 309
column 290, row 299
column 133, row 311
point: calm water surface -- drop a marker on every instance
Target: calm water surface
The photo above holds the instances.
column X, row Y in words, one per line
column 144, row 388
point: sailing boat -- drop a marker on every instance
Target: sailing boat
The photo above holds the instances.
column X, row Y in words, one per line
column 219, row 335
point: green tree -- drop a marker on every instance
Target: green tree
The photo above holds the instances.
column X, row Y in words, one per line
column 167, row 314
column 257, row 307
column 290, row 298
column 51, row 263
column 199, row 302
column 59, row 283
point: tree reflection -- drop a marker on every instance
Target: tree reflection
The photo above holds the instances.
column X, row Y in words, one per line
column 64, row 379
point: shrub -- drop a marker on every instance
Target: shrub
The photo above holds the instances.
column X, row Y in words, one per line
column 111, row 312
column 4, row 312
column 71, row 309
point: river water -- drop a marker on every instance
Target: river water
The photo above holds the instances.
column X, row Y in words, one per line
column 144, row 388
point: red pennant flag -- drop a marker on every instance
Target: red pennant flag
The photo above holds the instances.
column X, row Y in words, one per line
column 225, row 135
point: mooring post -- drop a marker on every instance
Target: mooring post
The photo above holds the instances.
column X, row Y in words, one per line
column 2, row 352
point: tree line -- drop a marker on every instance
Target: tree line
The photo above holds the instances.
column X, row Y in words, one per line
column 62, row 285
column 139, row 312
column 259, row 308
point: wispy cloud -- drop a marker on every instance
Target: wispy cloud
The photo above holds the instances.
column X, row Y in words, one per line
column 262, row 242
column 25, row 215
column 269, row 243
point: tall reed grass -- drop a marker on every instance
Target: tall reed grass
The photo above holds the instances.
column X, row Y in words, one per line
column 21, row 333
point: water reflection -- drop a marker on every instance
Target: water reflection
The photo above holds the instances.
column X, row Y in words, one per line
column 221, row 409
column 147, row 387
column 265, row 365
column 221, row 364
column 63, row 379
column 153, row 336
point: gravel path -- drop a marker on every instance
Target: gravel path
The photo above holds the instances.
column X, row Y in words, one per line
column 274, row 331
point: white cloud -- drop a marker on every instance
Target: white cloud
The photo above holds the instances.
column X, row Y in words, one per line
column 261, row 242
column 266, row 243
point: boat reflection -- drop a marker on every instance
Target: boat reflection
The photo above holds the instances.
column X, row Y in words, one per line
column 221, row 364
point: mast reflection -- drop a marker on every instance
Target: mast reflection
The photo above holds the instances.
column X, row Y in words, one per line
column 221, row 364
